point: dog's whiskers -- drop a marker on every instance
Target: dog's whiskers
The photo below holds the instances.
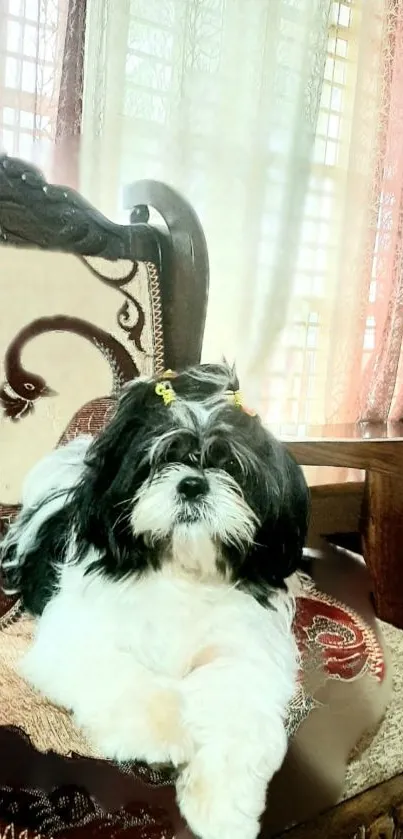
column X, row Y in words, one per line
column 125, row 501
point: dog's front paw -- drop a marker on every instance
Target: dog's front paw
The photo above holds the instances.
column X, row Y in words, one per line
column 149, row 731
column 212, row 804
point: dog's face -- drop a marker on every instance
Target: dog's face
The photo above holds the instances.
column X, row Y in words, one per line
column 197, row 484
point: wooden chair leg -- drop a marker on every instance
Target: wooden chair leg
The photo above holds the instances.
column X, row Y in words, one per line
column 382, row 532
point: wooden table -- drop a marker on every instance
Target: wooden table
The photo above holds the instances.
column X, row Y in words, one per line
column 378, row 450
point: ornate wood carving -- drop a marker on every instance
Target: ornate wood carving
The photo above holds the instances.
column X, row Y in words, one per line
column 33, row 212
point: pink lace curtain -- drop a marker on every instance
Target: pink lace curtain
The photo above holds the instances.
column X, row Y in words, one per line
column 381, row 393
column 70, row 102
column 365, row 370
column 41, row 83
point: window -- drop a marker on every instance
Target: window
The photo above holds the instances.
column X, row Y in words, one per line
column 300, row 363
column 29, row 67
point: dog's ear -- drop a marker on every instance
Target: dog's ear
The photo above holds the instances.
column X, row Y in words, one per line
column 103, row 500
column 277, row 551
column 109, row 449
column 101, row 521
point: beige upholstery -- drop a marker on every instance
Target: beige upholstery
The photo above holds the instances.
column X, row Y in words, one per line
column 107, row 322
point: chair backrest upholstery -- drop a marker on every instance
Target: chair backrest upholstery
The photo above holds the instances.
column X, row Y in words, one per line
column 86, row 305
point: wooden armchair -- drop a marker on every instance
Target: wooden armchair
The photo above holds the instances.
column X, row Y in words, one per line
column 86, row 305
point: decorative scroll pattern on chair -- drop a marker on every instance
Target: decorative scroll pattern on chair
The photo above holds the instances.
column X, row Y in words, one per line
column 138, row 321
column 23, row 388
column 55, row 312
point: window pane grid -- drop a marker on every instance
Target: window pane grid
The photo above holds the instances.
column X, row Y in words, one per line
column 29, row 66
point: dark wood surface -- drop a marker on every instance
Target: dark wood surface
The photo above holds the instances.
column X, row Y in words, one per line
column 382, row 531
column 343, row 432
column 355, row 446
column 35, row 213
column 336, row 509
column 375, row 814
column 378, row 450
column 184, row 267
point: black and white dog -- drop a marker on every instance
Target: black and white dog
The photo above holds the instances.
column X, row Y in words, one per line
column 154, row 558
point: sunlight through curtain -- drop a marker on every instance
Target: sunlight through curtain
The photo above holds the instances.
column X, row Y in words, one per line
column 220, row 98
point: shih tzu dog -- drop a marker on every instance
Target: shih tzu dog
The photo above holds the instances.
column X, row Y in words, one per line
column 154, row 558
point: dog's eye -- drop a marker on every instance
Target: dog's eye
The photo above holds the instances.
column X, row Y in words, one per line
column 233, row 467
column 217, row 455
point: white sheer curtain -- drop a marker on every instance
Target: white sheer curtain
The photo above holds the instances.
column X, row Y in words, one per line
column 219, row 98
column 281, row 121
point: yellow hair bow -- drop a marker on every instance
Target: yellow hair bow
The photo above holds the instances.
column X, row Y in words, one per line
column 167, row 392
column 236, row 398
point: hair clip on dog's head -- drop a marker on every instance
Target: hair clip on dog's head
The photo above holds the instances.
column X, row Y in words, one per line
column 235, row 398
column 166, row 391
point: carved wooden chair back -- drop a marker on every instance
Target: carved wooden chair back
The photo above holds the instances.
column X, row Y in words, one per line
column 87, row 305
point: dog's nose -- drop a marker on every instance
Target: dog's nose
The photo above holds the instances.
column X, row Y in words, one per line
column 193, row 487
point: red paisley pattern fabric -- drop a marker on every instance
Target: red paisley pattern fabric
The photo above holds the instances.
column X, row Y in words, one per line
column 90, row 419
column 348, row 646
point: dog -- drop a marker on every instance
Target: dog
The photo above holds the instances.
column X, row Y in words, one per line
column 155, row 559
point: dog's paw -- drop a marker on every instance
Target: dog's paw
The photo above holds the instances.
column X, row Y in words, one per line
column 149, row 731
column 209, row 803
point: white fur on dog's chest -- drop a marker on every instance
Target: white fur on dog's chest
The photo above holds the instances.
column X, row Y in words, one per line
column 161, row 620
column 165, row 623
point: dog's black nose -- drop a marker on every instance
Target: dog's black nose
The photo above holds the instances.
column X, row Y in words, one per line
column 193, row 487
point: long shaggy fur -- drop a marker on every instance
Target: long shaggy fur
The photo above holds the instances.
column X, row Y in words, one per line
column 155, row 559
